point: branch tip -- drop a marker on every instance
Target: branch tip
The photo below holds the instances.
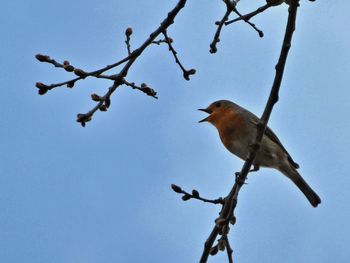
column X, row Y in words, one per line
column 42, row 58
column 176, row 189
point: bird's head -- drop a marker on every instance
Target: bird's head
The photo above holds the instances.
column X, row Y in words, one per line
column 216, row 110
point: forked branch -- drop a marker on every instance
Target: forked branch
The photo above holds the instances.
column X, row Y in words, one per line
column 104, row 101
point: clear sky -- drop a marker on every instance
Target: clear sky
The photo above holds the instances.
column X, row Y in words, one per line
column 102, row 193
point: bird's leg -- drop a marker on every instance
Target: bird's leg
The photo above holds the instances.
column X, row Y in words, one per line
column 255, row 168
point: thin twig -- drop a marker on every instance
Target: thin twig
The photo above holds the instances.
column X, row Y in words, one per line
column 160, row 41
column 70, row 83
column 260, row 32
column 251, row 14
column 228, row 249
column 144, row 88
column 230, row 7
column 216, row 39
column 186, row 73
column 128, row 33
column 195, row 195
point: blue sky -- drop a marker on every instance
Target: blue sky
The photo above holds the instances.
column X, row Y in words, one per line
column 102, row 193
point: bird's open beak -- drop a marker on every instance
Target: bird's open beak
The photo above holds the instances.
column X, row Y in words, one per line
column 207, row 111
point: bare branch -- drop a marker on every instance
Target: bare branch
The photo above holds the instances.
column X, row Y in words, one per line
column 186, row 73
column 118, row 79
column 82, row 74
column 230, row 7
column 128, row 33
column 195, row 195
column 228, row 249
column 231, row 199
column 254, row 13
column 144, row 88
column 216, row 40
column 260, row 32
column 160, row 41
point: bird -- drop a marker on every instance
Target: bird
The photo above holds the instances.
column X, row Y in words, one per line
column 237, row 129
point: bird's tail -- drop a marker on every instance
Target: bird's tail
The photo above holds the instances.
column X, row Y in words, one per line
column 293, row 174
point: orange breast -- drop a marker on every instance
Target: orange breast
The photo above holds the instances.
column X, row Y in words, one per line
column 229, row 124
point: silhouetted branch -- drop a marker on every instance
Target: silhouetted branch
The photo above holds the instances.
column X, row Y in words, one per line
column 118, row 79
column 260, row 32
column 144, row 88
column 221, row 226
column 195, row 195
column 186, row 73
column 216, row 40
column 128, row 33
column 251, row 14
column 230, row 7
column 69, row 68
column 160, row 41
column 228, row 249
column 269, row 3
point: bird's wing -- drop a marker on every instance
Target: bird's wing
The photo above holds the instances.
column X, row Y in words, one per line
column 272, row 136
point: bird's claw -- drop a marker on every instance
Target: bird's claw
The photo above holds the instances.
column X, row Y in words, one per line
column 255, row 168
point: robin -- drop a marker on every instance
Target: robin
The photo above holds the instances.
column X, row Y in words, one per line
column 237, row 128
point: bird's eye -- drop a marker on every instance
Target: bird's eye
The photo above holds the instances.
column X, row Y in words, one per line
column 218, row 104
